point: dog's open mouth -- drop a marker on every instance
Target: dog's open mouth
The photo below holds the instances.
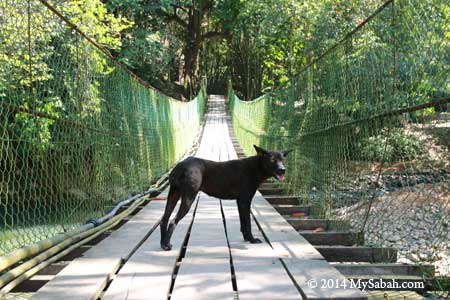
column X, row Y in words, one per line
column 279, row 174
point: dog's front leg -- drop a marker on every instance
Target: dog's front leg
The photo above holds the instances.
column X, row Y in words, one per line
column 172, row 200
column 243, row 204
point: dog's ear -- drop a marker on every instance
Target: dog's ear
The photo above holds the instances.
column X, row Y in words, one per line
column 260, row 151
column 286, row 152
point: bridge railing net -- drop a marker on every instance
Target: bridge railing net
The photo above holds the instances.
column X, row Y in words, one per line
column 369, row 123
column 78, row 133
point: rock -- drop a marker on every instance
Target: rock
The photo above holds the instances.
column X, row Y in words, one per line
column 393, row 238
column 424, row 256
column 403, row 260
column 413, row 257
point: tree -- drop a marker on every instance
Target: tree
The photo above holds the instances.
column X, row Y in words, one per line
column 169, row 37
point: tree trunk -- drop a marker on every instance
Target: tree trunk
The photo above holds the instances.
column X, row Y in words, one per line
column 192, row 50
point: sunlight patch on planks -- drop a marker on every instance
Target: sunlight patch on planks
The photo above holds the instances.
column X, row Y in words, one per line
column 285, row 240
column 302, row 260
column 148, row 274
column 205, row 271
column 85, row 277
column 259, row 272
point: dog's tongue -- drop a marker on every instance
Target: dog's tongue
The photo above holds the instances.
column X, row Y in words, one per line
column 280, row 177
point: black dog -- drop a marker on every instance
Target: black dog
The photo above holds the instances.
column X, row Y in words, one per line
column 234, row 179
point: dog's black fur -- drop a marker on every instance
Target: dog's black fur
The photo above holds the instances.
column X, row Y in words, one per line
column 234, row 179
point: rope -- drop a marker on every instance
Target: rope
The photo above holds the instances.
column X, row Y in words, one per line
column 78, row 130
column 368, row 119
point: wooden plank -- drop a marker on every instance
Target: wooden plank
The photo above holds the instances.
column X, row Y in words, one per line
column 253, row 262
column 85, row 277
column 283, row 238
column 272, row 191
column 384, row 269
column 270, row 184
column 311, row 274
column 308, row 224
column 148, row 273
column 291, row 209
column 312, row 224
column 280, row 200
column 205, row 271
column 333, row 238
column 301, row 259
column 203, row 278
column 122, row 242
column 358, row 254
column 264, row 278
column 232, row 154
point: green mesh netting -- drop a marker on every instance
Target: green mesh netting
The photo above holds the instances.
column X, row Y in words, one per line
column 370, row 123
column 77, row 132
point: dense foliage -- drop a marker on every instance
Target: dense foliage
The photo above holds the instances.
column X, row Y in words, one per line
column 257, row 44
column 78, row 133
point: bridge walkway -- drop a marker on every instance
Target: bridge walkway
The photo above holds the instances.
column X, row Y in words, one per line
column 209, row 259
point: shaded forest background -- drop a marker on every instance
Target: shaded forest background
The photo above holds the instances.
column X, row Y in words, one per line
column 257, row 44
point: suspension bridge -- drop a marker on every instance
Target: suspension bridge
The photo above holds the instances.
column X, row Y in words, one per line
column 86, row 147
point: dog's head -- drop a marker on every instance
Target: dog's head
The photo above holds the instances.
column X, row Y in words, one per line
column 272, row 162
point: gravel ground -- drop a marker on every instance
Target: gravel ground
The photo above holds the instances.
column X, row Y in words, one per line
column 415, row 220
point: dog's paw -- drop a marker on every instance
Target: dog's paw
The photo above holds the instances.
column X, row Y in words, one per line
column 166, row 247
column 252, row 240
column 255, row 241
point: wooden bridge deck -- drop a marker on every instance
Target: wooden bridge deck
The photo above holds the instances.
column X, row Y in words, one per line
column 209, row 259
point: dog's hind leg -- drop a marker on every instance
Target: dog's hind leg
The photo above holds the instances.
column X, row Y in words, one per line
column 172, row 199
column 186, row 203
